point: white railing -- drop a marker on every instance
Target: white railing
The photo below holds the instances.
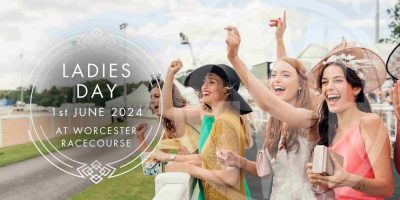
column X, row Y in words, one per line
column 173, row 186
column 387, row 114
column 178, row 186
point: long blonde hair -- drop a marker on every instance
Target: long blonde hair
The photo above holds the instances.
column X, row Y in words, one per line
column 272, row 133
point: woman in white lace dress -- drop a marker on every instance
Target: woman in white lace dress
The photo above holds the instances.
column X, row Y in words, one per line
column 288, row 147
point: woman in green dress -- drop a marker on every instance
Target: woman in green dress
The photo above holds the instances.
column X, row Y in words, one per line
column 191, row 115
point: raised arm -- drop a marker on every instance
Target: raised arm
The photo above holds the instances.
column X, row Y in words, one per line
column 263, row 97
column 188, row 114
column 141, row 129
column 280, row 25
column 396, row 107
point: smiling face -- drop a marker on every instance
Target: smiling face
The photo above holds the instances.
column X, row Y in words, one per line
column 284, row 81
column 213, row 90
column 155, row 100
column 337, row 92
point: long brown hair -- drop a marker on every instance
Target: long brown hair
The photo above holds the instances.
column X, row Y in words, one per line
column 177, row 99
column 272, row 133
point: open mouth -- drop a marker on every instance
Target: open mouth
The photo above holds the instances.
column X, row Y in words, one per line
column 333, row 98
column 154, row 107
column 206, row 93
column 279, row 89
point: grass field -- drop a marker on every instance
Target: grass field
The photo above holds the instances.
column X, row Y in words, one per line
column 132, row 185
column 17, row 153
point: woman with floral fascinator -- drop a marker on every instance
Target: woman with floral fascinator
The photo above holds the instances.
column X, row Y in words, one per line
column 349, row 128
column 345, row 121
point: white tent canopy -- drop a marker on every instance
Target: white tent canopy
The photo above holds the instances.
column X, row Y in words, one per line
column 138, row 98
column 188, row 93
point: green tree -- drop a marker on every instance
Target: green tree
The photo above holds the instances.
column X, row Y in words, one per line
column 394, row 25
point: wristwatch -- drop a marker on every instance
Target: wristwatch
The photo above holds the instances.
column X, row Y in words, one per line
column 172, row 157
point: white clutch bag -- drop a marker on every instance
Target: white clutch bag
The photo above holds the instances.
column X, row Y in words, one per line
column 322, row 163
column 263, row 164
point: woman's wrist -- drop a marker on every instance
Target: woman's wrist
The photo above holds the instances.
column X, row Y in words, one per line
column 244, row 163
column 170, row 75
column 351, row 180
column 279, row 39
column 188, row 168
column 239, row 163
column 234, row 59
column 356, row 182
column 172, row 157
column 320, row 188
column 140, row 139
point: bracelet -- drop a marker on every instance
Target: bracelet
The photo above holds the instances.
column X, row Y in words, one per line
column 171, row 157
column 317, row 189
column 361, row 186
column 244, row 164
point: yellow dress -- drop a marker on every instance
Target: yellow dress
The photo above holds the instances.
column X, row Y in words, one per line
column 228, row 125
column 189, row 140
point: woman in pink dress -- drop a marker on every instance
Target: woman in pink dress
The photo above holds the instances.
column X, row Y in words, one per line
column 349, row 128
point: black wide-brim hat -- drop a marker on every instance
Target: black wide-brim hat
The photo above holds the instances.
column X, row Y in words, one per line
column 196, row 79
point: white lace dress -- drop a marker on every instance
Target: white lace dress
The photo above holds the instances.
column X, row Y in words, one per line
column 290, row 179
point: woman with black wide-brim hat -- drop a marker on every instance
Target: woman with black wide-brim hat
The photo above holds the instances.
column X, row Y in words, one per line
column 219, row 85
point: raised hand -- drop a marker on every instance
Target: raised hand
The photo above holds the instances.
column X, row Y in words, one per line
column 141, row 128
column 280, row 25
column 175, row 66
column 232, row 42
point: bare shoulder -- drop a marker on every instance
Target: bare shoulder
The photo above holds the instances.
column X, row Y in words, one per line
column 371, row 124
column 370, row 119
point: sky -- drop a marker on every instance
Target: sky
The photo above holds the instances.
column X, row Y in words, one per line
column 31, row 27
